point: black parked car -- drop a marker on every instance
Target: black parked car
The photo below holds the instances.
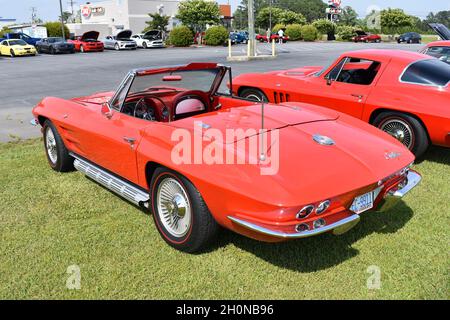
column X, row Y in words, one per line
column 410, row 37
column 54, row 45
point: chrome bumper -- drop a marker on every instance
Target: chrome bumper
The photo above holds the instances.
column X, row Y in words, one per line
column 337, row 228
column 394, row 196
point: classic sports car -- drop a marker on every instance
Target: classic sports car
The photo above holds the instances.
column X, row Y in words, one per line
column 120, row 42
column 439, row 49
column 16, row 47
column 150, row 39
column 404, row 93
column 88, row 42
column 137, row 142
column 363, row 36
column 54, row 45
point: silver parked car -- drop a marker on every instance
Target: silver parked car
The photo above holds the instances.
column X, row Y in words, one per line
column 120, row 42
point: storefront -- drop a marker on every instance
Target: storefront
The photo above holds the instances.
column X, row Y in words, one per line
column 111, row 16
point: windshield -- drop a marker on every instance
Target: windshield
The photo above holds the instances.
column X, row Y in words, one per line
column 183, row 80
column 17, row 43
column 54, row 40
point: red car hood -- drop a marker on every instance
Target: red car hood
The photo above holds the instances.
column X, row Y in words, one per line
column 361, row 156
column 297, row 72
column 97, row 98
column 275, row 117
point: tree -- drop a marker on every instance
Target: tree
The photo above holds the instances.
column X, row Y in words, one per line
column 54, row 29
column 196, row 14
column 158, row 22
column 394, row 20
column 4, row 31
column 66, row 16
column 349, row 16
column 278, row 16
column 440, row 17
column 310, row 9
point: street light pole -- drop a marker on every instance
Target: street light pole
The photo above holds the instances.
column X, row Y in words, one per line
column 62, row 21
column 251, row 29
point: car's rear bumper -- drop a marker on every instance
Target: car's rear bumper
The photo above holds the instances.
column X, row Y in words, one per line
column 345, row 220
column 392, row 197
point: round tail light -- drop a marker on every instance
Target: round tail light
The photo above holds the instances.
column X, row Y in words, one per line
column 305, row 211
column 323, row 206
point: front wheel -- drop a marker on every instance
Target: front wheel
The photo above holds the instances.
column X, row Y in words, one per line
column 180, row 213
column 253, row 94
column 81, row 49
column 116, row 47
column 144, row 45
column 57, row 154
column 406, row 129
column 12, row 53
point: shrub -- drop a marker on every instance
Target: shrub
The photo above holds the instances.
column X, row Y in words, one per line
column 181, row 36
column 309, row 33
column 294, row 32
column 345, row 33
column 54, row 29
column 324, row 26
column 277, row 27
column 4, row 31
column 216, row 36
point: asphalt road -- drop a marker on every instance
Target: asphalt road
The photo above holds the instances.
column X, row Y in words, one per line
column 26, row 80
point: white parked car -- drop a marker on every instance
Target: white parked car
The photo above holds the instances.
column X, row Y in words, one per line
column 120, row 42
column 150, row 39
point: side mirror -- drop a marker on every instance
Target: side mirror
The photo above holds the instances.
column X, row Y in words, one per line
column 106, row 110
column 329, row 82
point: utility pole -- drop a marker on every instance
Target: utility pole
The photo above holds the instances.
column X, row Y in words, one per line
column 33, row 15
column 251, row 30
column 270, row 15
column 62, row 21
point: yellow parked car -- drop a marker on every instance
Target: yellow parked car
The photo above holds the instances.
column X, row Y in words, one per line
column 16, row 47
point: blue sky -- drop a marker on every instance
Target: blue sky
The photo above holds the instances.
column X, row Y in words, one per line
column 48, row 9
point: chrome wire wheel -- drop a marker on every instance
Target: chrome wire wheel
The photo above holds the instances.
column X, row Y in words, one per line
column 253, row 97
column 174, row 207
column 50, row 144
column 400, row 130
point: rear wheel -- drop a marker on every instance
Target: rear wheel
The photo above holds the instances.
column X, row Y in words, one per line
column 52, row 50
column 180, row 214
column 57, row 154
column 406, row 129
column 253, row 94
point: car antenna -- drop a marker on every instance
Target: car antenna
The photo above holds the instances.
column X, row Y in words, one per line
column 262, row 155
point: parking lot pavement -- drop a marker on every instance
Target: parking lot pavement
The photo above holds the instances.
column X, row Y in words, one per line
column 26, row 80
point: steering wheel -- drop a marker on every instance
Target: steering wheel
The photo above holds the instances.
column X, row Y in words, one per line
column 142, row 111
column 197, row 94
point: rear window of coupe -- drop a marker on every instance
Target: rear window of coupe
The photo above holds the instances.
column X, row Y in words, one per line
column 427, row 72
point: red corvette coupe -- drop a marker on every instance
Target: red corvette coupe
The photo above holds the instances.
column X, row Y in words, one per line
column 406, row 94
column 363, row 36
column 242, row 171
column 88, row 42
column 439, row 49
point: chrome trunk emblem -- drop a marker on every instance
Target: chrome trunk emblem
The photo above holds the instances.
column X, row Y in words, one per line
column 323, row 140
column 392, row 155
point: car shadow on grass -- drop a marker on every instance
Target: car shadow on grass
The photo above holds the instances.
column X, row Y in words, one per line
column 323, row 251
column 436, row 154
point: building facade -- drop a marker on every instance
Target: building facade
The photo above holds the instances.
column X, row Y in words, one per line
column 112, row 16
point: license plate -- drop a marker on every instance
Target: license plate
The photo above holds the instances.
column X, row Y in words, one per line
column 363, row 203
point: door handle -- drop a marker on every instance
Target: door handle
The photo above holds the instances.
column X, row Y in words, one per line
column 359, row 96
column 129, row 140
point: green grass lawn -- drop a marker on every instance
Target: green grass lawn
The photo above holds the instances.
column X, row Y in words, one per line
column 49, row 221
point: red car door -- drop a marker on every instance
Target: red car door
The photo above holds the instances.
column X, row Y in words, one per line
column 349, row 84
column 111, row 142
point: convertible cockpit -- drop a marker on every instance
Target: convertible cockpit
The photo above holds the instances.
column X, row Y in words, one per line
column 170, row 94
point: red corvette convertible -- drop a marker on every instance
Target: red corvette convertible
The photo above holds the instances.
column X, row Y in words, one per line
column 88, row 42
column 406, row 94
column 137, row 142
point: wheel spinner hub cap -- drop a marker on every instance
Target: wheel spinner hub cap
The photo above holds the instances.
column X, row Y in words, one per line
column 50, row 143
column 174, row 208
column 400, row 130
